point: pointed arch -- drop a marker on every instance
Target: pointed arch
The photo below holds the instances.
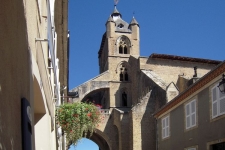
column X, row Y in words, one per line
column 101, row 139
column 123, row 45
column 123, row 68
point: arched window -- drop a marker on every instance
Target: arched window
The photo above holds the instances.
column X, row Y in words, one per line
column 125, row 49
column 121, row 49
column 124, row 45
column 123, row 74
column 124, row 99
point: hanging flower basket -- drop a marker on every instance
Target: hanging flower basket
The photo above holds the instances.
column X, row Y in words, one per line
column 77, row 120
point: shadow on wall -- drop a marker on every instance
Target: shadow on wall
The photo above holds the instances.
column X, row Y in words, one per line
column 156, row 99
column 2, row 146
column 106, row 135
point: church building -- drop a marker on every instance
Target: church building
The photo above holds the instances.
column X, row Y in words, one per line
column 131, row 88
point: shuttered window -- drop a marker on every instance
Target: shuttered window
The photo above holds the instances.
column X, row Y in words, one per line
column 190, row 113
column 218, row 102
column 165, row 127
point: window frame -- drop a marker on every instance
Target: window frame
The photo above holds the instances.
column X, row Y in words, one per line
column 192, row 114
column 217, row 102
column 166, row 128
column 123, row 45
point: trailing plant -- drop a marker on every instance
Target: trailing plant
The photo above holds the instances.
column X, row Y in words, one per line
column 77, row 119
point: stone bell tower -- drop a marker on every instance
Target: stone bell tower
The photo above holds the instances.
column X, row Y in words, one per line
column 119, row 43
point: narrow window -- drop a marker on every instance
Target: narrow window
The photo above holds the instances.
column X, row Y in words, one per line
column 123, row 45
column 124, row 99
column 190, row 112
column 218, row 102
column 125, row 49
column 121, row 49
column 121, row 76
column 165, row 127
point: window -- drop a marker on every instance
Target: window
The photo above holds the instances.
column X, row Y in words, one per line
column 120, row 26
column 123, row 45
column 123, row 74
column 218, row 102
column 124, row 99
column 165, row 127
column 190, row 114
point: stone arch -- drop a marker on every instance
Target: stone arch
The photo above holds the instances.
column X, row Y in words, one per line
column 85, row 96
column 101, row 139
column 123, row 45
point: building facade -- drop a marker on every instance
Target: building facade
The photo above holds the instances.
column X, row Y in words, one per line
column 195, row 119
column 131, row 88
column 34, row 72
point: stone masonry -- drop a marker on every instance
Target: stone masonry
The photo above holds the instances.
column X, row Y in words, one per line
column 131, row 88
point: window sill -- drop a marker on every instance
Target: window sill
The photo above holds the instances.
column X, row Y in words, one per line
column 217, row 118
column 191, row 128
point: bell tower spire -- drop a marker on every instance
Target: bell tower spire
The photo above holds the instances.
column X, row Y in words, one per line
column 119, row 42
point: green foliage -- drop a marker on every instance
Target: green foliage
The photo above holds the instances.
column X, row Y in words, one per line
column 77, row 120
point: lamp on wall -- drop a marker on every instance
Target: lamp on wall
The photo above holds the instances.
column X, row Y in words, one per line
column 221, row 85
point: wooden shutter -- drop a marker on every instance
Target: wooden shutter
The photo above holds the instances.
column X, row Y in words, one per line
column 188, row 117
column 190, row 110
column 214, row 103
column 193, row 113
column 167, row 126
column 163, row 128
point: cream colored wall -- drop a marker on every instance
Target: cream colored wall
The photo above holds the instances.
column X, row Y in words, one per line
column 36, row 21
column 24, row 63
column 115, row 59
column 169, row 70
column 43, row 133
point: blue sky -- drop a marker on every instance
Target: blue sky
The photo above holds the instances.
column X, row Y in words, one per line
column 85, row 144
column 193, row 28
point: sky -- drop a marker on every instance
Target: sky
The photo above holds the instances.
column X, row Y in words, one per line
column 191, row 28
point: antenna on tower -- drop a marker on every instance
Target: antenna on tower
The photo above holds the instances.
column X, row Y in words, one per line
column 116, row 2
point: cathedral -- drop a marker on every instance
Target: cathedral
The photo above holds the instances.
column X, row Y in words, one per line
column 131, row 88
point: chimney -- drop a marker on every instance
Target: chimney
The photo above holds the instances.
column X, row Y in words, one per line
column 195, row 72
column 195, row 77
